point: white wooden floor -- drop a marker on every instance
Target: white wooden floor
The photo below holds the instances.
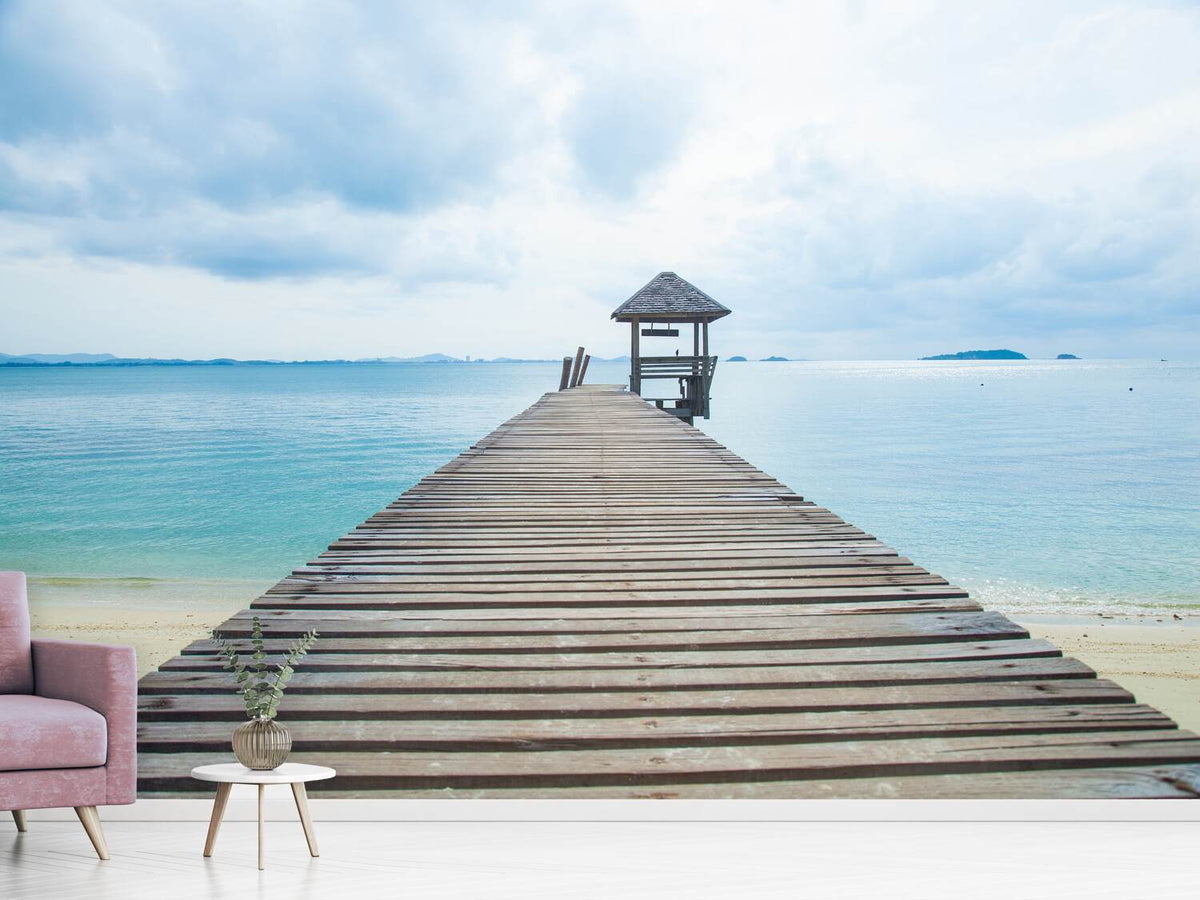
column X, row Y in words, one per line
column 609, row 859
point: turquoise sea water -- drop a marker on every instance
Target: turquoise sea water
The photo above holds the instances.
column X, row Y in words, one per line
column 1041, row 486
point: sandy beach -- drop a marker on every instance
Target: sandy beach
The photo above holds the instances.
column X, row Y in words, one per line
column 1158, row 659
column 157, row 617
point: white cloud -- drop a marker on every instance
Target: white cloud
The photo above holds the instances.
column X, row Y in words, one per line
column 334, row 179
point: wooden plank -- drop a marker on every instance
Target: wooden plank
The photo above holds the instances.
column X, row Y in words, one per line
column 689, row 579
column 599, row 570
column 329, row 705
column 1177, row 782
column 357, row 654
column 288, row 596
column 506, row 542
column 553, row 608
column 855, row 759
column 435, row 632
column 310, row 679
column 761, row 553
column 576, row 587
column 269, row 605
column 692, row 731
column 818, row 629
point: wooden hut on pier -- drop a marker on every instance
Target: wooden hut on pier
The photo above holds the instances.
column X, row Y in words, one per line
column 652, row 313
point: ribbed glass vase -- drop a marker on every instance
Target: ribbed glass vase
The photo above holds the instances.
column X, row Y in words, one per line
column 261, row 744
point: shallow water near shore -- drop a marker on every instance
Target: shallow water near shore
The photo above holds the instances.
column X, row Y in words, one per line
column 1042, row 486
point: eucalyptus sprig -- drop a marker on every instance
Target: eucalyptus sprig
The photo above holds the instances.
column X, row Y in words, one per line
column 261, row 686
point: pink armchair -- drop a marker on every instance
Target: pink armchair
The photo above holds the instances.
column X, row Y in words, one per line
column 68, row 720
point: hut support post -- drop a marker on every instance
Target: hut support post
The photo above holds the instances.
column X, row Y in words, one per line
column 635, row 380
column 704, row 376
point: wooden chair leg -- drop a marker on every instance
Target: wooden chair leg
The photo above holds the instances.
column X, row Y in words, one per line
column 218, row 813
column 19, row 818
column 310, row 835
column 91, row 824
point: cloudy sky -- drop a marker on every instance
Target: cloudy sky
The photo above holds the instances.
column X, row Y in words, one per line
column 864, row 180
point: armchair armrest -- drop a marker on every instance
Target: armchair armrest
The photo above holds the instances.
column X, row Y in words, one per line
column 103, row 677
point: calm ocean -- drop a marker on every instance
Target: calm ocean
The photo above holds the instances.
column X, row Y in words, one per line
column 1041, row 486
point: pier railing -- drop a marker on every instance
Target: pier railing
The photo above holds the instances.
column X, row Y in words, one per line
column 694, row 374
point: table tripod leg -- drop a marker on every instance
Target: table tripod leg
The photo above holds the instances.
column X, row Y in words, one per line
column 218, row 813
column 310, row 833
column 261, row 788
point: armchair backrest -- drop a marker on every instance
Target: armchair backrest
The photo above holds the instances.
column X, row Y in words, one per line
column 16, row 657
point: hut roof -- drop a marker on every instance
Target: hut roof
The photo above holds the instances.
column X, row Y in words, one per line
column 669, row 297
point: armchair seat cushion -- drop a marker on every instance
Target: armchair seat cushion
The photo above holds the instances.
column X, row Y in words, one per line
column 40, row 733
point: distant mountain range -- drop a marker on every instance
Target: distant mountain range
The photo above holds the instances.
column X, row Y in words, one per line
column 51, row 359
column 107, row 359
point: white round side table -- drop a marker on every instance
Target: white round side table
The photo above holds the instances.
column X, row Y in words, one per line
column 226, row 775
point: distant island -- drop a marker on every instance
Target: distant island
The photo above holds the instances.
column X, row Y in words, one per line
column 764, row 359
column 93, row 360
column 980, row 354
column 1066, row 356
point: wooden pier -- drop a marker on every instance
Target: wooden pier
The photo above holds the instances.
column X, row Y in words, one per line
column 598, row 600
